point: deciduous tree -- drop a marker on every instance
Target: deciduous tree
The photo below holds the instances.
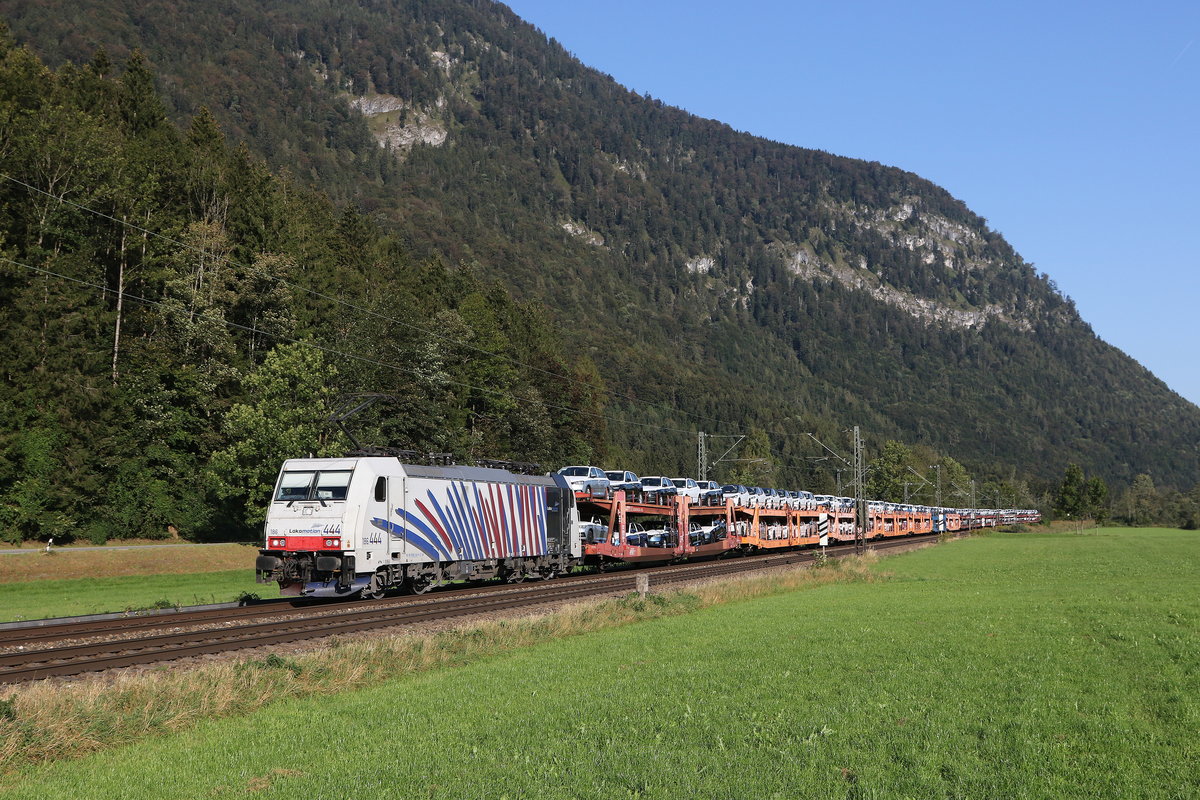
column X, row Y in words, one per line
column 285, row 418
column 887, row 474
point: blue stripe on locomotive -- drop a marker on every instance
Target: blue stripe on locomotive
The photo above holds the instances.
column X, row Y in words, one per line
column 463, row 514
column 413, row 538
column 447, row 525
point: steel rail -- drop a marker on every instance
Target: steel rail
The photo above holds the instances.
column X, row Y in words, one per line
column 77, row 629
column 28, row 665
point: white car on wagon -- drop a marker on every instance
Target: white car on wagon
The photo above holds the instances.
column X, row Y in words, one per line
column 586, row 479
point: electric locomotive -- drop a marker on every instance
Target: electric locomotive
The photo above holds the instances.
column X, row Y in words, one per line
column 363, row 525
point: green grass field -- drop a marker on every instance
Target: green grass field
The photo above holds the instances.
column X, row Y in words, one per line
column 75, row 596
column 1006, row 666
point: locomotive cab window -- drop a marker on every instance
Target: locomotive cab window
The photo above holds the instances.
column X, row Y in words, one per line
column 294, row 486
column 332, row 485
column 309, row 485
column 381, row 489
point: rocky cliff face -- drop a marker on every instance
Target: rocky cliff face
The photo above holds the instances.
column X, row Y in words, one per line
column 399, row 125
column 945, row 246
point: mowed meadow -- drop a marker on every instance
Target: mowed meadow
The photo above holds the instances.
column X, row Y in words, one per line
column 1007, row 666
column 71, row 581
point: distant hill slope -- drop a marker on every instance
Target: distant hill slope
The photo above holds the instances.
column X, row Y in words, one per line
column 741, row 280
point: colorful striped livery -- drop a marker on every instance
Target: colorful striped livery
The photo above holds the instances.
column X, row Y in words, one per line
column 458, row 520
column 421, row 525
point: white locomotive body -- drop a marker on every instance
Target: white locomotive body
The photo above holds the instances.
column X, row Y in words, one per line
column 339, row 526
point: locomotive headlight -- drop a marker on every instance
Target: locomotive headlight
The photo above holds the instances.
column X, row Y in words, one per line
column 329, row 542
column 278, row 542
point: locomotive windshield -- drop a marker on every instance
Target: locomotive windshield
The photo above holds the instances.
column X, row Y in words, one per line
column 310, row 485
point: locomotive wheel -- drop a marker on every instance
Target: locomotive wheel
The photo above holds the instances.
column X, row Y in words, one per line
column 420, row 584
column 375, row 589
column 518, row 572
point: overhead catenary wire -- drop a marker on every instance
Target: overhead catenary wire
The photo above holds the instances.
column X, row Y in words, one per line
column 386, row 318
column 102, row 289
column 367, row 311
column 330, row 350
column 670, row 409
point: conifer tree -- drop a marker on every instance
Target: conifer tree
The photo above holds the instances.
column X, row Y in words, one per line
column 1070, row 500
column 141, row 108
column 1095, row 494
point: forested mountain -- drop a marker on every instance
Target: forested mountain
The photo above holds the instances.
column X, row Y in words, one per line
column 184, row 320
column 719, row 281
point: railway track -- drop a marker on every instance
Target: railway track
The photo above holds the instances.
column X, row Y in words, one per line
column 128, row 642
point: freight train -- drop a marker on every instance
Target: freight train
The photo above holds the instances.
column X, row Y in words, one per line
column 364, row 526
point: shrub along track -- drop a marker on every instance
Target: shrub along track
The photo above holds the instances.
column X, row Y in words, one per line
column 96, row 645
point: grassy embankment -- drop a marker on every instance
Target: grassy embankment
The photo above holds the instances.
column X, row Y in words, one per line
column 1005, row 666
column 69, row 581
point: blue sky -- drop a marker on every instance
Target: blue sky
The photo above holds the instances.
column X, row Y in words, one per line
column 1073, row 127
